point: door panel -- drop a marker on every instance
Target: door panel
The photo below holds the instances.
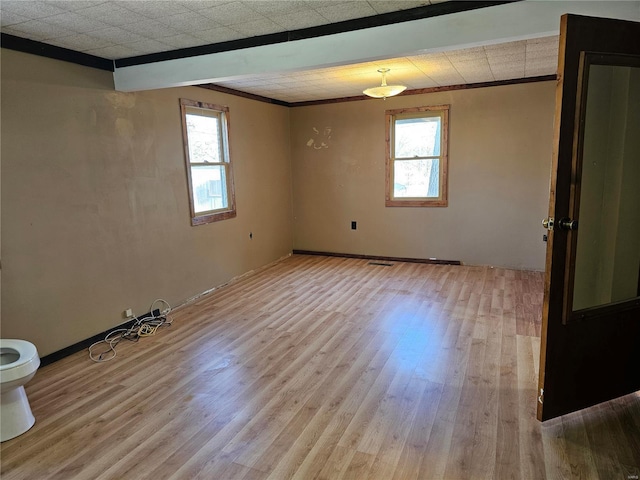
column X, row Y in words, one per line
column 591, row 312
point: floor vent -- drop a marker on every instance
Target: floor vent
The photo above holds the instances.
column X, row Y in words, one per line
column 381, row 264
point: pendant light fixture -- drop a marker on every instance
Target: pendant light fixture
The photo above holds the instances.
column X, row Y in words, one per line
column 384, row 90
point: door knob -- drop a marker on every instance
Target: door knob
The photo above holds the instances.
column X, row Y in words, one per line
column 568, row 224
column 548, row 223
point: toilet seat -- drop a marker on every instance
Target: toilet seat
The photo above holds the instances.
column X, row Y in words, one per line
column 27, row 363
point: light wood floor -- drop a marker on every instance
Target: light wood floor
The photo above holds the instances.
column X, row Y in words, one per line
column 327, row 368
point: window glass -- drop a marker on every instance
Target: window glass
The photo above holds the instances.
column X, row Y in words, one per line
column 416, row 178
column 204, row 139
column 417, row 137
column 209, row 187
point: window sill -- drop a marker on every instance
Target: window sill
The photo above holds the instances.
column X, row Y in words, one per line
column 212, row 217
column 416, row 203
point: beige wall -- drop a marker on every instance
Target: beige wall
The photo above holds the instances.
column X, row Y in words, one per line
column 499, row 166
column 95, row 215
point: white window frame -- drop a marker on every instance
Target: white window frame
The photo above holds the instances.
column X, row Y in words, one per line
column 222, row 112
column 391, row 116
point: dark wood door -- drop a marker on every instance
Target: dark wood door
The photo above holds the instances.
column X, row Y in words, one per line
column 590, row 346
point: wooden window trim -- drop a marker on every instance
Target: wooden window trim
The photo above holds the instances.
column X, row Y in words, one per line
column 215, row 215
column 443, row 199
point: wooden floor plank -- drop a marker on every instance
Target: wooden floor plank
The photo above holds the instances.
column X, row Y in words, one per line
column 326, row 368
column 530, row 436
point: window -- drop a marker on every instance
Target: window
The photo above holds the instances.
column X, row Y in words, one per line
column 417, row 157
column 205, row 131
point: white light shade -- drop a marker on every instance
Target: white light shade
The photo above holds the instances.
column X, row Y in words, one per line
column 384, row 90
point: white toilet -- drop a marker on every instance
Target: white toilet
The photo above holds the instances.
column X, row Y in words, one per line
column 18, row 364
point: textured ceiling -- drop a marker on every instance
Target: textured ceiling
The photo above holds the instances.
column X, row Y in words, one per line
column 121, row 29
column 506, row 61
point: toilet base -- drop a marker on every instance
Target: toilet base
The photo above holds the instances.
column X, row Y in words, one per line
column 15, row 414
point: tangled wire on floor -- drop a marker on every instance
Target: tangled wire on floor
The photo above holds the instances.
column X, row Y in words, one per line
column 142, row 327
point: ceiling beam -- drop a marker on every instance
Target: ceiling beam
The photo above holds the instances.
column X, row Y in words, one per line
column 486, row 26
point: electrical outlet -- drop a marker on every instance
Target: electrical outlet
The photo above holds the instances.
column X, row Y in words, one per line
column 128, row 313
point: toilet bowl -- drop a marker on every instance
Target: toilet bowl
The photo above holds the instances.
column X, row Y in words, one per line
column 18, row 364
